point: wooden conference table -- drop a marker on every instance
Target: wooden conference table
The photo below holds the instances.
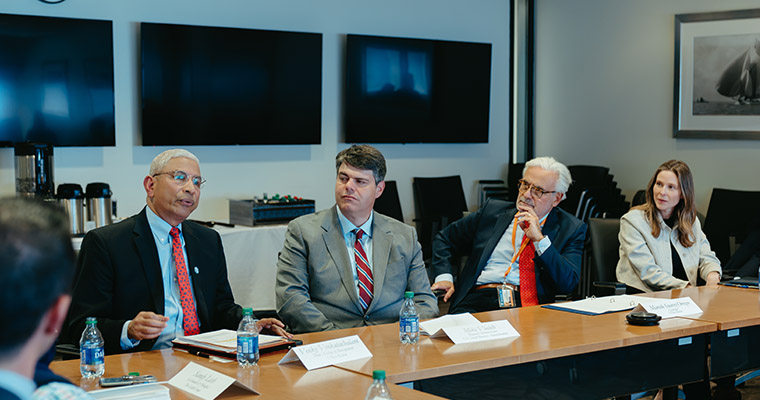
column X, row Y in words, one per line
column 735, row 345
column 290, row 381
column 577, row 355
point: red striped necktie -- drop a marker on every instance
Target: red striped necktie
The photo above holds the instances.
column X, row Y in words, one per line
column 366, row 284
column 190, row 320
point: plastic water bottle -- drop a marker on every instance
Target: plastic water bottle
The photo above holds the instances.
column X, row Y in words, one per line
column 378, row 389
column 247, row 340
column 91, row 351
column 408, row 320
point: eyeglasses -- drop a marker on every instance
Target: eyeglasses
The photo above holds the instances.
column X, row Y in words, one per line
column 535, row 191
column 181, row 177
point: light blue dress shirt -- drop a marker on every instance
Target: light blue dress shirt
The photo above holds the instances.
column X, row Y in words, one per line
column 497, row 264
column 17, row 384
column 350, row 237
column 172, row 304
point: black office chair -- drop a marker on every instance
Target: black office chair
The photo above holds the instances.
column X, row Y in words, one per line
column 603, row 256
column 437, row 203
column 514, row 174
column 729, row 217
column 639, row 198
column 388, row 203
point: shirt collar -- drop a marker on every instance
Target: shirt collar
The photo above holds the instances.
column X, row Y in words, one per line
column 17, row 384
column 158, row 226
column 348, row 226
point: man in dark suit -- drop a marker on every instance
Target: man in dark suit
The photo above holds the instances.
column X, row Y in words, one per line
column 323, row 283
column 36, row 269
column 504, row 240
column 155, row 276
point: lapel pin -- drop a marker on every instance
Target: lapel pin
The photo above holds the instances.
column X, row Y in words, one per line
column 196, row 270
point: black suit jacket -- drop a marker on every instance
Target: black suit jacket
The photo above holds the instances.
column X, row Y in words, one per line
column 118, row 275
column 557, row 269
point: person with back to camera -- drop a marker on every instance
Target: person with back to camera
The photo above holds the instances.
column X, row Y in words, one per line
column 662, row 247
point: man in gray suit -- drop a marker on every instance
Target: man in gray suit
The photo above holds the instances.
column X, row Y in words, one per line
column 347, row 266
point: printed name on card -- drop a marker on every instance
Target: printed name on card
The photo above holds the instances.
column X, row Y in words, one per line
column 329, row 352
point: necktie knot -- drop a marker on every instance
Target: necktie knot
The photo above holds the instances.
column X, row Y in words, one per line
column 174, row 232
column 359, row 234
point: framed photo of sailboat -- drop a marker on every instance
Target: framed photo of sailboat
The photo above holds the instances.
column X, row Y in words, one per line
column 717, row 75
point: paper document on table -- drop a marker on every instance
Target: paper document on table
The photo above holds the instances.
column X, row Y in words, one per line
column 434, row 327
column 602, row 305
column 143, row 391
column 223, row 340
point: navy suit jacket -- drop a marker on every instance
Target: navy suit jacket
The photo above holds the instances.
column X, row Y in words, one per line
column 557, row 269
column 119, row 275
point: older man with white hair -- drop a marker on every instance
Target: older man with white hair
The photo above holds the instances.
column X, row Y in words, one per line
column 519, row 254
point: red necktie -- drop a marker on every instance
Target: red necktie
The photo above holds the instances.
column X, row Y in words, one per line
column 528, row 293
column 366, row 285
column 190, row 320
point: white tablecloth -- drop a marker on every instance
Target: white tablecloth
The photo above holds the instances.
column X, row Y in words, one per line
column 252, row 263
column 251, row 254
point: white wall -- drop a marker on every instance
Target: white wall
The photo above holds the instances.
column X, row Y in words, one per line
column 307, row 170
column 604, row 93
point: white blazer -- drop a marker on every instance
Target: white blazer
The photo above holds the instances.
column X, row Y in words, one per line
column 645, row 261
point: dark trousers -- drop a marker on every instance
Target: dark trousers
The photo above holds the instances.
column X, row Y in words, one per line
column 479, row 301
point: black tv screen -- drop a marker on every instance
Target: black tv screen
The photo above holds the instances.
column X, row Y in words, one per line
column 225, row 86
column 56, row 81
column 400, row 90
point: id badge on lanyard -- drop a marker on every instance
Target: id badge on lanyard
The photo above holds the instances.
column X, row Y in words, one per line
column 506, row 296
column 507, row 292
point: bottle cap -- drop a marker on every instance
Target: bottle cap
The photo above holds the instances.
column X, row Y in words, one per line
column 378, row 374
column 248, row 311
column 408, row 295
column 91, row 321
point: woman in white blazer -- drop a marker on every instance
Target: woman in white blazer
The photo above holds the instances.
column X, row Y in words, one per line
column 662, row 245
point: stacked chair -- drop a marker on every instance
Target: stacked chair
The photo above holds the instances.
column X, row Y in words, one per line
column 594, row 194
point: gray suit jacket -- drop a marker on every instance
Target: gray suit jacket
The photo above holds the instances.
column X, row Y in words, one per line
column 315, row 283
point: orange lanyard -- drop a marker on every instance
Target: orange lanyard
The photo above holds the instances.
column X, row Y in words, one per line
column 523, row 245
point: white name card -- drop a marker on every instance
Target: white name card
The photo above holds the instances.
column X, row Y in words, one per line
column 434, row 327
column 329, row 352
column 203, row 382
column 477, row 333
column 671, row 307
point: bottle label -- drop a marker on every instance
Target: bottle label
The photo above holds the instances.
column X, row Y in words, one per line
column 409, row 324
column 247, row 345
column 91, row 356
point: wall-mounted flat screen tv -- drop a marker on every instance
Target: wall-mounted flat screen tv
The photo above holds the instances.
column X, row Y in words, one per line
column 56, row 81
column 400, row 90
column 228, row 86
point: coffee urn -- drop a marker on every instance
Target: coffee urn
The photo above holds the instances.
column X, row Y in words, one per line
column 99, row 203
column 34, row 170
column 71, row 198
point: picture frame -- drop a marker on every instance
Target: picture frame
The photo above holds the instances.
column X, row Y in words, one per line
column 717, row 75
